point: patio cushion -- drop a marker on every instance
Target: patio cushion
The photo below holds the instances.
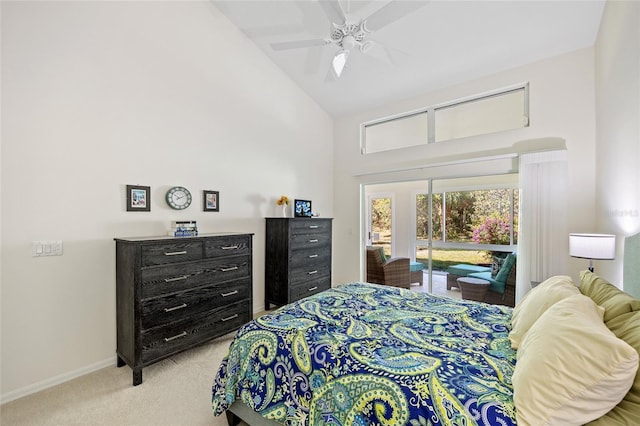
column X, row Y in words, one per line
column 381, row 251
column 416, row 266
column 505, row 270
column 494, row 285
column 464, row 270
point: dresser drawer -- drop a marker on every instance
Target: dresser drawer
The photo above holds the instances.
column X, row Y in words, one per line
column 307, row 260
column 301, row 291
column 310, row 241
column 228, row 246
column 177, row 306
column 174, row 252
column 159, row 280
column 310, row 226
column 177, row 336
column 306, row 276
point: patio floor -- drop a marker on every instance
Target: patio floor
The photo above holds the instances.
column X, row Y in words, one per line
column 439, row 286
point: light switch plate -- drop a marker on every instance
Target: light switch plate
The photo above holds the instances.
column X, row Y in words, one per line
column 47, row 248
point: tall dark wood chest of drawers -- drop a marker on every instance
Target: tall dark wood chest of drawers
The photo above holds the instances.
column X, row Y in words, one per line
column 298, row 258
column 175, row 293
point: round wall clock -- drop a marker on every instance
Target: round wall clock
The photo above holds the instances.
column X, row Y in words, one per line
column 178, row 198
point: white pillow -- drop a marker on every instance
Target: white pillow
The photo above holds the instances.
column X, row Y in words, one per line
column 571, row 369
column 535, row 302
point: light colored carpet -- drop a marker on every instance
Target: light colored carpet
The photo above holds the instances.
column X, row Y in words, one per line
column 176, row 391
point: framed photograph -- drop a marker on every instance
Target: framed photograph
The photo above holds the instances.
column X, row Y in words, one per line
column 302, row 208
column 211, row 201
column 138, row 198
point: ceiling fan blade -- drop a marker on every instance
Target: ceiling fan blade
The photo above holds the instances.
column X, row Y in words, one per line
column 267, row 31
column 385, row 53
column 297, row 44
column 391, row 12
column 331, row 76
column 312, row 60
column 333, row 10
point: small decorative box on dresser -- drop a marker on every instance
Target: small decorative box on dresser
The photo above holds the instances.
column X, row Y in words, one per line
column 298, row 259
column 175, row 293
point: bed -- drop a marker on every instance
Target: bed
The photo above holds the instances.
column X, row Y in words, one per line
column 367, row 354
column 371, row 354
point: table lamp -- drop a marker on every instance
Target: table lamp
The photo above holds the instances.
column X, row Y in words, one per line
column 592, row 246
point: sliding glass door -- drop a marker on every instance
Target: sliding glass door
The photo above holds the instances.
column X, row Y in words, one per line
column 471, row 221
column 443, row 222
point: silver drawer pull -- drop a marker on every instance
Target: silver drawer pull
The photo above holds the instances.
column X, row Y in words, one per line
column 312, row 256
column 313, row 241
column 229, row 247
column 313, row 226
column 313, row 288
column 177, row 336
column 231, row 293
column 233, row 268
column 229, row 318
column 175, row 253
column 168, row 280
column 312, row 272
column 175, row 308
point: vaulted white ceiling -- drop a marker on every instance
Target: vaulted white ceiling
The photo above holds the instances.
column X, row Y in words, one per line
column 440, row 44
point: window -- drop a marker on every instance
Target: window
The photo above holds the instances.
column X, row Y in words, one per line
column 488, row 114
column 496, row 111
column 396, row 132
column 468, row 225
column 477, row 217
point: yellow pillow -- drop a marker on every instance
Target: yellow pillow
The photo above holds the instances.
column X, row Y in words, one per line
column 614, row 301
column 570, row 368
column 627, row 412
column 538, row 300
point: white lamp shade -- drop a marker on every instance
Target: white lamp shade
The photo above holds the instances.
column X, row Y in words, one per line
column 592, row 246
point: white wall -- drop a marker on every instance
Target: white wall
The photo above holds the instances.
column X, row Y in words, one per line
column 617, row 82
column 97, row 95
column 562, row 106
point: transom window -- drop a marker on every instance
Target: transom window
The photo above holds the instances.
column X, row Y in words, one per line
column 491, row 112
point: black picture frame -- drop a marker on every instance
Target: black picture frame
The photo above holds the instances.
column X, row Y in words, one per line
column 211, row 201
column 138, row 198
column 302, row 208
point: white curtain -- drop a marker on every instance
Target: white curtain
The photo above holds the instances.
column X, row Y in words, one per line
column 543, row 238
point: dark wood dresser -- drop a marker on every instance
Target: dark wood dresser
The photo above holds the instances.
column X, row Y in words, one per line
column 175, row 293
column 298, row 259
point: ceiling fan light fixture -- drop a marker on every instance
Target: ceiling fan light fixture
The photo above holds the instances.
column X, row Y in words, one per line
column 349, row 42
column 339, row 61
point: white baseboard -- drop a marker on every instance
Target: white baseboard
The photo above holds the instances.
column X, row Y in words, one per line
column 53, row 381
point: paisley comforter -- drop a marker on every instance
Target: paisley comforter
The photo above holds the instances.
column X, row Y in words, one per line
column 365, row 354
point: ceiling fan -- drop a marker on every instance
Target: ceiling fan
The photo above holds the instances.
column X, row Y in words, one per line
column 350, row 33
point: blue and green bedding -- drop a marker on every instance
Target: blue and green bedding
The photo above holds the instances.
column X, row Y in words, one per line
column 366, row 354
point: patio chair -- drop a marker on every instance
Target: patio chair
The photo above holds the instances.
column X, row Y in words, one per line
column 380, row 270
